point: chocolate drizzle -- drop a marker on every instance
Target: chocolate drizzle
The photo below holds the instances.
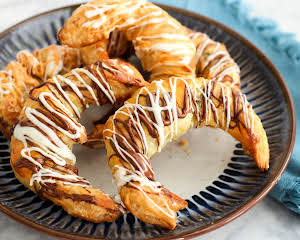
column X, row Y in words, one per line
column 129, row 138
column 52, row 190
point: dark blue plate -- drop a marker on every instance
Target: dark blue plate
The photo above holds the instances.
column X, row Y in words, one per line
column 233, row 190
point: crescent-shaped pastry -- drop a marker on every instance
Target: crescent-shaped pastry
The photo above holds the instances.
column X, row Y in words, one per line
column 41, row 145
column 161, row 43
column 160, row 113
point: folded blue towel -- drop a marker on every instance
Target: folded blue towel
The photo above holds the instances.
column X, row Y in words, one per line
column 284, row 52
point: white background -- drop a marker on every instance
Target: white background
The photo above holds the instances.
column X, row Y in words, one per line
column 269, row 220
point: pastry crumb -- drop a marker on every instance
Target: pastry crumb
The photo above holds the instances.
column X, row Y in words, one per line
column 217, row 139
column 187, row 151
column 183, row 143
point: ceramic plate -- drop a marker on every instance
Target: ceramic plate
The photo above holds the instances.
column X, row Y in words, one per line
column 211, row 172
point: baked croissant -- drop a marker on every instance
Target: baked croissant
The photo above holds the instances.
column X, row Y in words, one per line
column 160, row 113
column 160, row 42
column 41, row 155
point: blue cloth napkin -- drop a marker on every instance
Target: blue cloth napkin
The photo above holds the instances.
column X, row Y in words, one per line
column 284, row 52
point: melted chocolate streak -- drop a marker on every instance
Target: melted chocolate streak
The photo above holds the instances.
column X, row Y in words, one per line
column 52, row 190
column 128, row 130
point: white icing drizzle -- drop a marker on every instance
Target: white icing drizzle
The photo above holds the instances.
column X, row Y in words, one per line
column 164, row 35
column 133, row 20
column 245, row 110
column 80, row 79
column 52, row 69
column 100, row 11
column 75, row 109
column 193, row 35
column 107, row 91
column 74, row 88
column 228, row 108
column 46, row 175
column 150, row 21
column 124, row 176
column 49, row 145
column 226, row 102
column 127, row 69
column 201, row 47
column 173, row 49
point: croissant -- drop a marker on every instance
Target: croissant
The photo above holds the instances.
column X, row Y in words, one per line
column 160, row 42
column 160, row 113
column 41, row 155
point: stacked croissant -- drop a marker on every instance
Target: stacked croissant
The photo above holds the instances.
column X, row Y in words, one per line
column 193, row 83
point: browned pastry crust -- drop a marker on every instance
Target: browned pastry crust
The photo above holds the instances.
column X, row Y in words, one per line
column 15, row 84
column 94, row 52
column 50, row 61
column 41, row 145
column 160, row 113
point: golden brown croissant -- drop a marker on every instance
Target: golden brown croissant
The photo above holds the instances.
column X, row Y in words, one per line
column 160, row 113
column 41, row 154
column 160, row 42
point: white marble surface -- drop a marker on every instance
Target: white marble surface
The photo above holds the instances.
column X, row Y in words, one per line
column 269, row 220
